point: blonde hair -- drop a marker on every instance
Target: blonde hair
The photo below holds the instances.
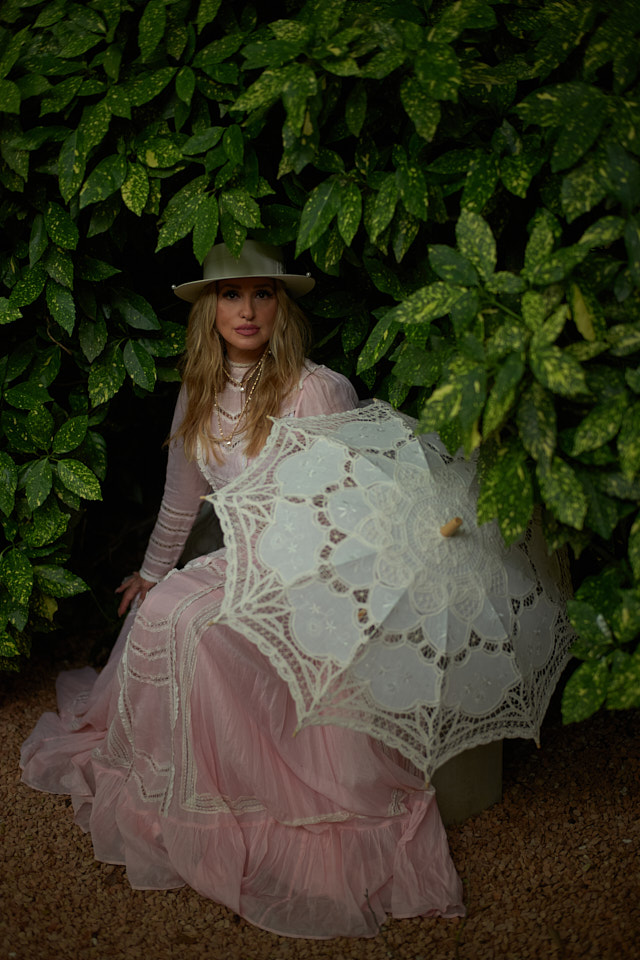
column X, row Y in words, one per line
column 203, row 374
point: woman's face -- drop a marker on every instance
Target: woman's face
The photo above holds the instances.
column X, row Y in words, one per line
column 245, row 316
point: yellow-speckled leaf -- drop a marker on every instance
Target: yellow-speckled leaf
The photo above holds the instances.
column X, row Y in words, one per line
column 634, row 548
column 62, row 305
column 61, row 227
column 79, row 479
column 8, row 483
column 506, row 492
column 380, row 341
column 106, row 376
column 71, row 166
column 38, row 479
column 629, row 441
column 422, row 109
column 503, row 394
column 562, row 492
column 318, row 212
column 624, row 684
column 558, row 371
column 476, row 242
column 536, row 420
column 585, row 691
column 17, row 575
column 135, row 189
column 71, row 434
column 107, row 177
column 438, row 71
column 140, row 365
column 151, row 27
column 58, row 582
column 205, row 229
column 600, row 425
column 350, row 212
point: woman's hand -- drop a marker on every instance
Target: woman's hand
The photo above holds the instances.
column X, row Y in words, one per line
column 134, row 586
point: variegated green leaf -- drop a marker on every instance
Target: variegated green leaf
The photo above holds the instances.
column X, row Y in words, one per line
column 562, row 492
column 17, row 575
column 624, row 683
column 93, row 338
column 27, row 396
column 106, row 375
column 587, row 314
column 413, row 189
column 240, row 205
column 595, row 638
column 482, row 177
column 29, row 287
column 379, row 343
column 61, row 227
column 57, row 581
column 582, row 189
column 151, row 27
column 438, row 71
column 536, row 420
column 47, row 523
column 107, row 177
column 8, row 483
column 139, row 364
column 205, row 228
column 380, row 207
column 600, row 425
column 79, row 479
column 421, row 108
column 634, row 548
column 71, row 166
column 71, row 434
column 503, row 394
column 355, row 109
column 558, row 371
column 318, row 212
column 135, row 189
column 38, row 481
column 452, row 266
column 137, row 311
column 428, row 303
column 62, row 305
column 624, row 339
column 476, row 242
column 629, row 441
column 350, row 212
column 506, row 492
column 585, row 691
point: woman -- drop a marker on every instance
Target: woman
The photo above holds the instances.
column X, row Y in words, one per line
column 181, row 757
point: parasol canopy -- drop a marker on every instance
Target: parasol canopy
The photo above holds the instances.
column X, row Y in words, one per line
column 357, row 567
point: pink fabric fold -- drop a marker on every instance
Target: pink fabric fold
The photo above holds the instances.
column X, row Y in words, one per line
column 181, row 761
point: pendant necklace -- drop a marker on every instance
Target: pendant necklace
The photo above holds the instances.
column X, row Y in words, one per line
column 255, row 375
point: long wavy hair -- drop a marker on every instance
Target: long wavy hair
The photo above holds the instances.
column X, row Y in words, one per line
column 203, row 376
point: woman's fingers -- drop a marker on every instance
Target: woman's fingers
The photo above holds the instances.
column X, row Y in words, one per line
column 134, row 586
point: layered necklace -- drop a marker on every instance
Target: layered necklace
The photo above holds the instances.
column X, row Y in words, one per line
column 247, row 385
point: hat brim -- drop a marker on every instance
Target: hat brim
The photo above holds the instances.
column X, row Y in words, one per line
column 296, row 284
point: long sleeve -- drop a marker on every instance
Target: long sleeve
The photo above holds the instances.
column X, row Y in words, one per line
column 325, row 391
column 184, row 487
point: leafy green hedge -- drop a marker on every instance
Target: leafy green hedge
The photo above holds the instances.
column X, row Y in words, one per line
column 464, row 177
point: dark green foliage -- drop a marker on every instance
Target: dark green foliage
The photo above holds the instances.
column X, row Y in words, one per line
column 463, row 176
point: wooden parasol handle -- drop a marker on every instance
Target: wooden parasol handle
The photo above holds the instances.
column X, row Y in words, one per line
column 451, row 527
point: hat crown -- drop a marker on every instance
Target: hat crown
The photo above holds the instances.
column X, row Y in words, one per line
column 256, row 259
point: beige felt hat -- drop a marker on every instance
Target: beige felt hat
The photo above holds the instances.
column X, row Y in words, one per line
column 255, row 260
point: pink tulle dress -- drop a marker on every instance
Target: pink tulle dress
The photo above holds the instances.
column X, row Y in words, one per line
column 181, row 758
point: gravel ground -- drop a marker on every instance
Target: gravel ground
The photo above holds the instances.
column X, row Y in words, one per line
column 551, row 872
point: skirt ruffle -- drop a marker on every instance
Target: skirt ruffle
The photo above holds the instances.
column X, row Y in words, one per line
column 183, row 762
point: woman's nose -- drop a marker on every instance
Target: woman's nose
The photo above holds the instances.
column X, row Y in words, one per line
column 246, row 307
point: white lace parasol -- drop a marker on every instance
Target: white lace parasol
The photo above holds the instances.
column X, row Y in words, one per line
column 340, row 574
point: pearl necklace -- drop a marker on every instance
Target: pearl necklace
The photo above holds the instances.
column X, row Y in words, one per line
column 257, row 373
